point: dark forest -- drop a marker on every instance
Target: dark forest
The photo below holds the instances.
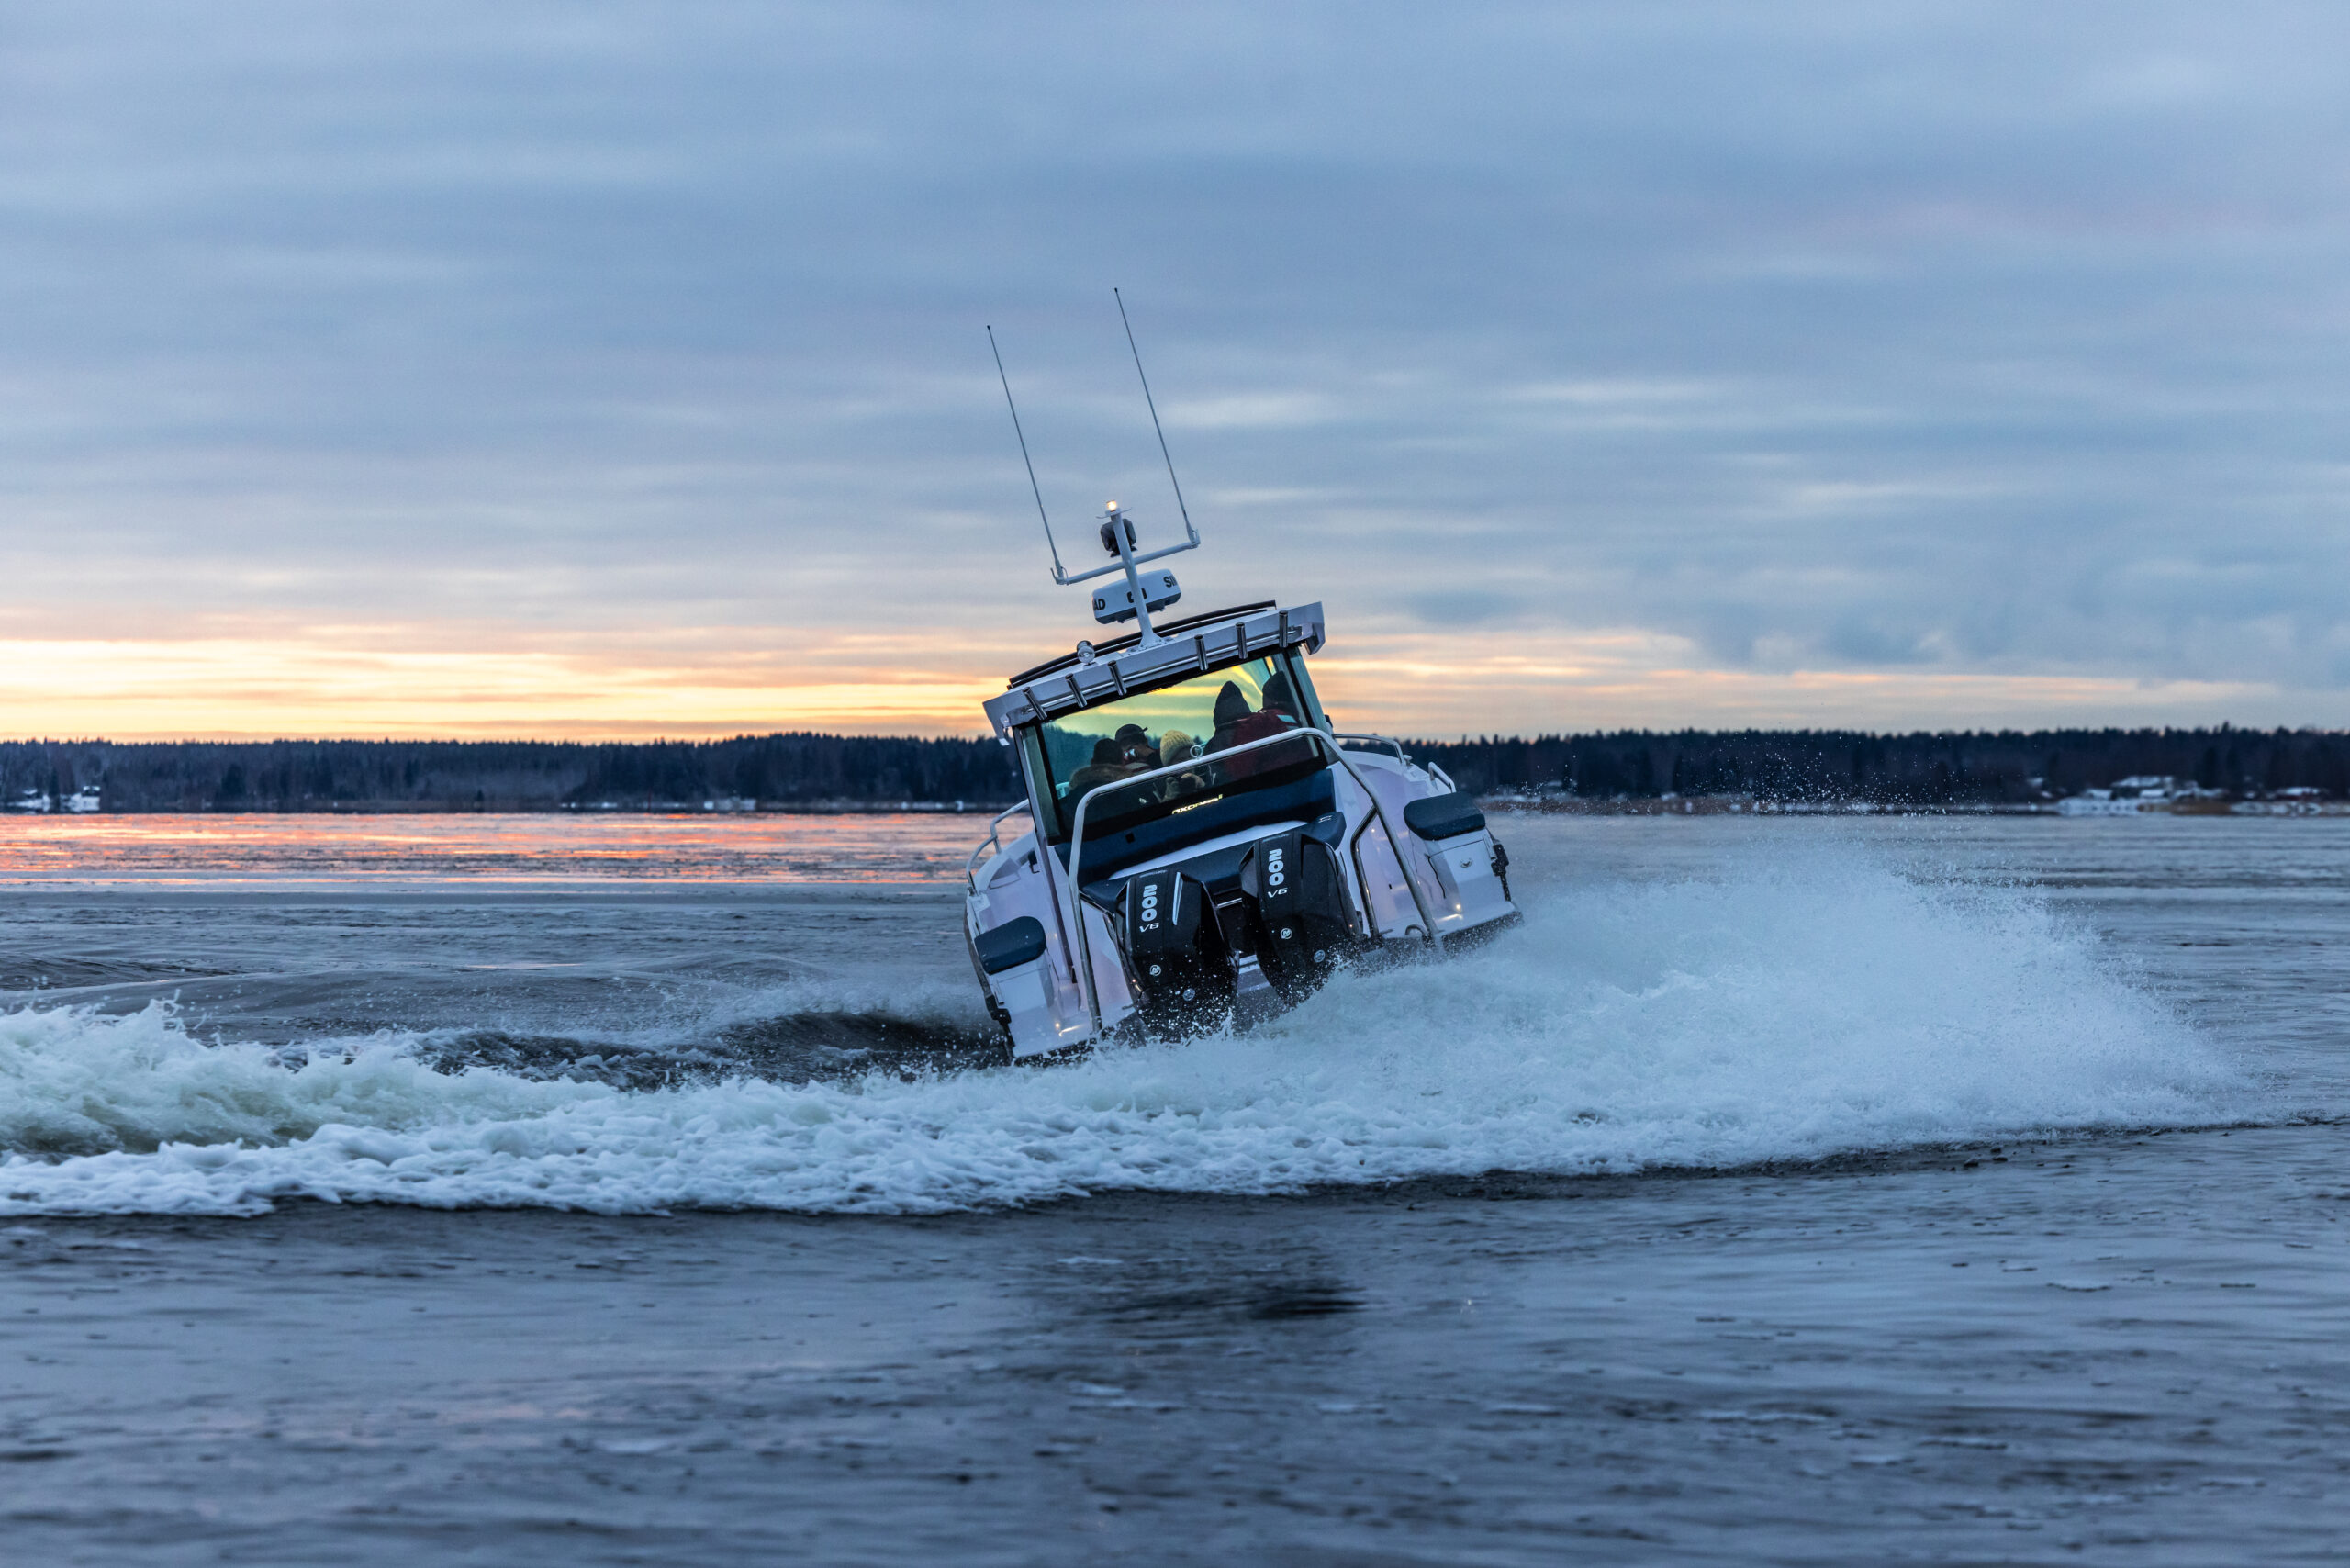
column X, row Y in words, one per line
column 1924, row 770
column 505, row 775
column 1921, row 770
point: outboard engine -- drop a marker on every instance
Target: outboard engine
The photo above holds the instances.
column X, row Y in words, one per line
column 1183, row 973
column 1303, row 926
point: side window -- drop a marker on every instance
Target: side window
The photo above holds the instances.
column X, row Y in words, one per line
column 1040, row 790
column 1309, row 700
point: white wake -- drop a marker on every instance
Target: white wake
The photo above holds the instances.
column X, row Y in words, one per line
column 1816, row 1003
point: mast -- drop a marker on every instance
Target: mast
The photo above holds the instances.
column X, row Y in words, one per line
column 1118, row 537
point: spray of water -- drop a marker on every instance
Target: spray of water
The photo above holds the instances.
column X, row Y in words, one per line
column 1818, row 1004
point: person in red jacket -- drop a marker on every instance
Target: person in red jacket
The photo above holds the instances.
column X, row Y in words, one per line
column 1235, row 725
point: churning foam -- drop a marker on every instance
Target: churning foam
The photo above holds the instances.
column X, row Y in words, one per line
column 1816, row 1004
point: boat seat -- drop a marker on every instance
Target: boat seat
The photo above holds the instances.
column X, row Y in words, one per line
column 1444, row 816
column 1011, row 944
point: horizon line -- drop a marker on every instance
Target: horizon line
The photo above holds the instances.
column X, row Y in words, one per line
column 1467, row 738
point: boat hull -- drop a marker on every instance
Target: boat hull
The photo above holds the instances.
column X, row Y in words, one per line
column 1224, row 927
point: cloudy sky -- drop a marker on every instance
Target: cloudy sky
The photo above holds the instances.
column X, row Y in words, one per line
column 590, row 369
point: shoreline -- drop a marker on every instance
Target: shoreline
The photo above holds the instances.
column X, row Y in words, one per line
column 524, row 809
column 1647, row 806
column 1741, row 805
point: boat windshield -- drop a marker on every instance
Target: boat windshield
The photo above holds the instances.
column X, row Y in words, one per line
column 1190, row 722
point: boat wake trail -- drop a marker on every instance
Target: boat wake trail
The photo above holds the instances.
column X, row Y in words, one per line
column 1818, row 1004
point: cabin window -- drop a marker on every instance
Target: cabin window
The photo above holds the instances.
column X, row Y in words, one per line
column 1188, row 722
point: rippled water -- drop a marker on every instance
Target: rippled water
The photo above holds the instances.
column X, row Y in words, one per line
column 1991, row 1206
column 464, row 850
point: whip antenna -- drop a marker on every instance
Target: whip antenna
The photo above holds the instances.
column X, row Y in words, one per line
column 1058, row 573
column 1154, row 415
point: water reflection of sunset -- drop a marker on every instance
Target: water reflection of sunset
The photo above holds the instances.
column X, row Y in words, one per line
column 622, row 850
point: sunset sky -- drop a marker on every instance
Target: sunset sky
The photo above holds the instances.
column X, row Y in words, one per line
column 579, row 369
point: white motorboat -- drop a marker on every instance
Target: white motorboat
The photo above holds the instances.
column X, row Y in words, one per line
column 1203, row 849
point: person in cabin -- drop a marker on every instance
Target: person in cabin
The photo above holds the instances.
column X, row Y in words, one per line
column 1279, row 713
column 1108, row 765
column 1281, row 698
column 1136, row 749
column 1175, row 746
column 1231, row 712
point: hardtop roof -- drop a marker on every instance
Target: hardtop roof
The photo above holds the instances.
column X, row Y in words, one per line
column 1196, row 647
column 1119, row 645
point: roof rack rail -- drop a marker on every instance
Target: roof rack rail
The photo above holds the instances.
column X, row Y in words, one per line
column 1119, row 645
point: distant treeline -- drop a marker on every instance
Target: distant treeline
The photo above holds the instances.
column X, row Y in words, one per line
column 798, row 769
column 1925, row 768
column 505, row 775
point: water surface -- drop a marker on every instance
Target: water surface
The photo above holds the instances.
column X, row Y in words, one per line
column 1801, row 1190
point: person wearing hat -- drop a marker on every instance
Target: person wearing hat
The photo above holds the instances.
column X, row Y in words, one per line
column 1231, row 712
column 1279, row 697
column 1135, row 748
column 1175, row 746
column 1279, row 713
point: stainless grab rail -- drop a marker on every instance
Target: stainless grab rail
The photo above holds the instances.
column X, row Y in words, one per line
column 1084, row 945
column 971, row 862
column 1395, row 747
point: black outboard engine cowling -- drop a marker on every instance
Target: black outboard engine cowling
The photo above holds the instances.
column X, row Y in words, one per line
column 1182, row 972
column 1303, row 927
